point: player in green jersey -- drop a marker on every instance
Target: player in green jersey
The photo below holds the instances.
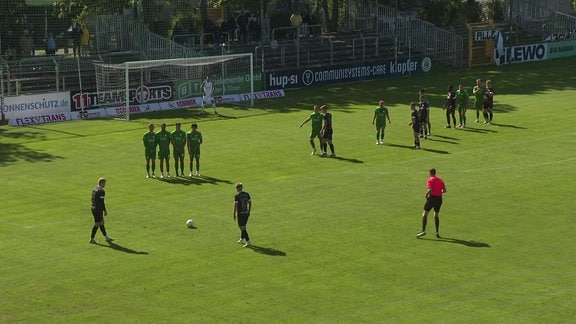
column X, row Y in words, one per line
column 462, row 105
column 150, row 144
column 478, row 91
column 194, row 140
column 380, row 115
column 316, row 118
column 178, row 139
column 163, row 140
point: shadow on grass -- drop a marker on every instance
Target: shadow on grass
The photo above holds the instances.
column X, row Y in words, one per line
column 442, row 139
column 340, row 158
column 509, row 126
column 421, row 148
column 470, row 243
column 195, row 180
column 478, row 130
column 118, row 247
column 267, row 251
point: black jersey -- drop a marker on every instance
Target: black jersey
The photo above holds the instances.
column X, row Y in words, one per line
column 327, row 122
column 489, row 96
column 242, row 200
column 451, row 100
column 98, row 194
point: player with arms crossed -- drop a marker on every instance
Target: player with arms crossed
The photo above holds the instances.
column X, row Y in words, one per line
column 316, row 118
column 208, row 89
column 488, row 103
column 462, row 105
column 381, row 113
column 450, row 106
column 242, row 208
column 178, row 139
column 416, row 124
column 194, row 140
column 150, row 144
column 478, row 92
column 163, row 140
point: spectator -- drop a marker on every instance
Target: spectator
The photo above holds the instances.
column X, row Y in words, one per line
column 296, row 21
column 50, row 45
column 242, row 30
column 85, row 40
column 76, row 39
column 26, row 43
column 11, row 46
column 266, row 28
column 306, row 21
column 253, row 28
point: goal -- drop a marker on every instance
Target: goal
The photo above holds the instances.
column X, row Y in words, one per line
column 138, row 86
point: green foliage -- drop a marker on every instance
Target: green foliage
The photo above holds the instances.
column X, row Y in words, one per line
column 451, row 12
column 334, row 237
column 494, row 10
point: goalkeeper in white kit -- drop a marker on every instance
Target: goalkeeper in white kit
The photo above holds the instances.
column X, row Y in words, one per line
column 208, row 90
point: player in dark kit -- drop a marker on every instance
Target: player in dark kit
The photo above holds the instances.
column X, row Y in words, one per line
column 99, row 211
column 163, row 140
column 242, row 208
column 178, row 139
column 424, row 109
column 488, row 103
column 436, row 188
column 450, row 106
column 326, row 132
column 416, row 124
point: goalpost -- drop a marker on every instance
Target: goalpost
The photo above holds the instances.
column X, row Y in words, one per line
column 126, row 85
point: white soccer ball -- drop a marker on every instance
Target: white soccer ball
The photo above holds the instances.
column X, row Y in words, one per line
column 190, row 223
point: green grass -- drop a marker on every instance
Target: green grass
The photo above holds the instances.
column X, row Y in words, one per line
column 334, row 237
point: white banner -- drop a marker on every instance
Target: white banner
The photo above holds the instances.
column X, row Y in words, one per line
column 36, row 105
column 30, row 116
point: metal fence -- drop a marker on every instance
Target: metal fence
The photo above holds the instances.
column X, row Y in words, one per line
column 118, row 33
column 536, row 18
column 405, row 30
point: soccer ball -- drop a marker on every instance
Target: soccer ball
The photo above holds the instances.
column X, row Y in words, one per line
column 190, row 223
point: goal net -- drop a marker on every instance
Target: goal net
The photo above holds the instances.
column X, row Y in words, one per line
column 138, row 86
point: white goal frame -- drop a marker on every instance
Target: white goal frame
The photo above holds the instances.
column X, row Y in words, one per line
column 199, row 66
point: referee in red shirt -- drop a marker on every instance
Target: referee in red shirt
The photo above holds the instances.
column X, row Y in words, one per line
column 436, row 188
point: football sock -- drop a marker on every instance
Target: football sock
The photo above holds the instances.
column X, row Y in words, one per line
column 245, row 235
column 454, row 119
column 437, row 224
column 103, row 230
column 148, row 168
column 94, row 230
column 491, row 116
column 464, row 119
column 477, row 113
column 485, row 115
column 424, row 221
column 312, row 144
column 153, row 167
column 332, row 148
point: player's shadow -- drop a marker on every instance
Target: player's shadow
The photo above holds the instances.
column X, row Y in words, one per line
column 478, row 130
column 469, row 243
column 118, row 247
column 443, row 140
column 267, row 251
column 509, row 126
column 340, row 158
column 195, row 180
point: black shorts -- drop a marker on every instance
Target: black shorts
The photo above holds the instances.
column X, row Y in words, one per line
column 433, row 202
column 488, row 105
column 243, row 219
column 98, row 215
column 416, row 129
column 327, row 135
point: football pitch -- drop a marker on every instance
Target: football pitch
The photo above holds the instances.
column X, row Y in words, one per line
column 333, row 238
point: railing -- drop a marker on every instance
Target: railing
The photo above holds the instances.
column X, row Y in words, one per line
column 115, row 33
column 537, row 19
column 370, row 17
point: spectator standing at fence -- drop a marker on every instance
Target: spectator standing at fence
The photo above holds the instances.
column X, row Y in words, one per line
column 85, row 40
column 306, row 21
column 253, row 28
column 296, row 21
column 265, row 28
column 11, row 45
column 242, row 30
column 50, row 44
column 26, row 43
column 76, row 39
